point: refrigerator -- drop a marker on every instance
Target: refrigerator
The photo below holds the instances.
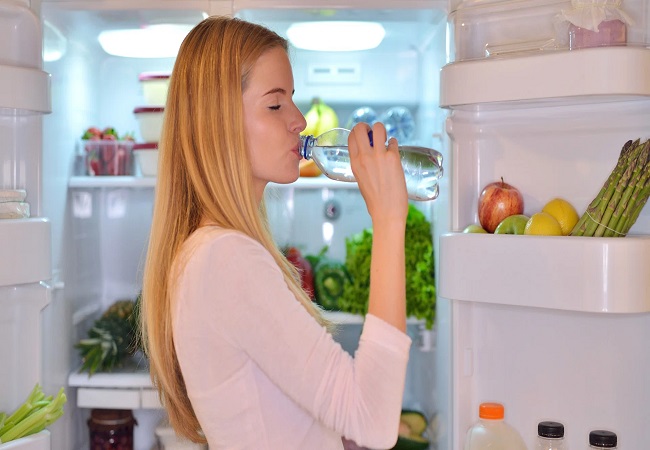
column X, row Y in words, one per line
column 552, row 327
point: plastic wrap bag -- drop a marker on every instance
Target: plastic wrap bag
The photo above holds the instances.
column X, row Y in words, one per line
column 589, row 14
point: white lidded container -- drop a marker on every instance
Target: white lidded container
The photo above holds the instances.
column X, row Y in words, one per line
column 154, row 87
column 146, row 158
column 168, row 440
column 150, row 120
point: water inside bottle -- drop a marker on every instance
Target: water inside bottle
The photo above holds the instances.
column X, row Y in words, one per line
column 421, row 170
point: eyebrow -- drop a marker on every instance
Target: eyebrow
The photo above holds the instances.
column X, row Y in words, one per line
column 279, row 90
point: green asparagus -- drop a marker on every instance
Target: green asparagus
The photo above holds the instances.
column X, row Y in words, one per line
column 624, row 194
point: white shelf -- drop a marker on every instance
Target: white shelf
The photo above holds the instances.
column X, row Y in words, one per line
column 586, row 75
column 111, row 182
column 586, row 274
column 38, row 441
column 131, row 376
column 25, row 89
column 125, row 388
column 319, row 182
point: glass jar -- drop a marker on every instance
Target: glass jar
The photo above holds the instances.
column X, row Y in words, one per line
column 111, row 429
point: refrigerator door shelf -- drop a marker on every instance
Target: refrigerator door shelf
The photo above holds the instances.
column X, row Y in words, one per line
column 595, row 275
column 593, row 75
column 28, row 243
column 25, row 90
column 38, row 441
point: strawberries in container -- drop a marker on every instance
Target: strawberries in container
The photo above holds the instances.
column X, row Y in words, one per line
column 106, row 153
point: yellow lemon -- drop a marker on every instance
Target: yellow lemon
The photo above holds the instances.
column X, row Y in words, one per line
column 543, row 224
column 564, row 213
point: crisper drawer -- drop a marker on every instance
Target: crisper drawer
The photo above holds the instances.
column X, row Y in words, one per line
column 38, row 441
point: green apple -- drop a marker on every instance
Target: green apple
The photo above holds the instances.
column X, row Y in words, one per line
column 515, row 224
column 474, row 228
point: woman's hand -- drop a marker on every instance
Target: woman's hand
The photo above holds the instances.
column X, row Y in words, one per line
column 379, row 173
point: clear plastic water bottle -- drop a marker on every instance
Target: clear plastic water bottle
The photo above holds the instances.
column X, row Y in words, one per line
column 422, row 166
column 492, row 432
column 550, row 436
column 602, row 439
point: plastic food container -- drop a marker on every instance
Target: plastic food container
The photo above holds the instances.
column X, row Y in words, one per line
column 150, row 120
column 146, row 157
column 167, row 440
column 154, row 87
column 106, row 157
column 507, row 28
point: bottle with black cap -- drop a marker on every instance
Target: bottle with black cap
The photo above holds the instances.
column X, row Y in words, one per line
column 550, row 436
column 602, row 439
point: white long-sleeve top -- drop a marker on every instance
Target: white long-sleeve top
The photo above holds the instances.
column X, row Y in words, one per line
column 260, row 372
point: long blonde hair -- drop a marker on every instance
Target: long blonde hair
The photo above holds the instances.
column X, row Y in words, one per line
column 204, row 172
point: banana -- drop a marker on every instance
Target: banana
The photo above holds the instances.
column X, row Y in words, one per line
column 312, row 117
column 328, row 119
column 320, row 118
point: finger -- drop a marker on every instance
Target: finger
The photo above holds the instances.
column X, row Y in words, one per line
column 392, row 144
column 358, row 140
column 379, row 135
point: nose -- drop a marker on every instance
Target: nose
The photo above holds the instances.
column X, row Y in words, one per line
column 298, row 123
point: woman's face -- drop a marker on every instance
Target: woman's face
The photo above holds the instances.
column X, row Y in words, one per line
column 272, row 121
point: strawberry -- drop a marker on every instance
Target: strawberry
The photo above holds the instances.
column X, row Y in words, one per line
column 109, row 131
column 92, row 133
column 94, row 167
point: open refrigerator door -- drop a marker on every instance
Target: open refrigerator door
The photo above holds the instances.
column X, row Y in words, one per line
column 552, row 327
column 25, row 265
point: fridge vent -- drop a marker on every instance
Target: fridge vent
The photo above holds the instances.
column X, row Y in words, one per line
column 337, row 74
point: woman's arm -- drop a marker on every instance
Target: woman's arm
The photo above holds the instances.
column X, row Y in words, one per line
column 379, row 172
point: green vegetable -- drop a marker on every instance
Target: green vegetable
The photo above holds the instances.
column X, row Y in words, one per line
column 621, row 199
column 315, row 259
column 33, row 416
column 112, row 339
column 420, row 283
column 413, row 424
column 329, row 283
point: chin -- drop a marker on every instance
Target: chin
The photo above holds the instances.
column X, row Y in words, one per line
column 286, row 179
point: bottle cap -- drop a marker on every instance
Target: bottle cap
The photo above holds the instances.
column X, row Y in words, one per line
column 491, row 411
column 550, row 429
column 602, row 438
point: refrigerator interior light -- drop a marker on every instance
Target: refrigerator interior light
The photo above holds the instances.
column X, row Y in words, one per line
column 338, row 36
column 153, row 41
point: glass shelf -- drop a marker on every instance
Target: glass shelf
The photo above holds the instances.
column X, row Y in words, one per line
column 319, row 182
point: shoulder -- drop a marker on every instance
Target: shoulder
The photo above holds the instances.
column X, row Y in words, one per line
column 222, row 247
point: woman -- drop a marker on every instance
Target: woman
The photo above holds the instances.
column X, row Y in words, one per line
column 241, row 356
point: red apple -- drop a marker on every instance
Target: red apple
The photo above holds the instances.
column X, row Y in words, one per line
column 498, row 201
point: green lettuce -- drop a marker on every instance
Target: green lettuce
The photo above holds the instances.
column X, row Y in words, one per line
column 420, row 282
